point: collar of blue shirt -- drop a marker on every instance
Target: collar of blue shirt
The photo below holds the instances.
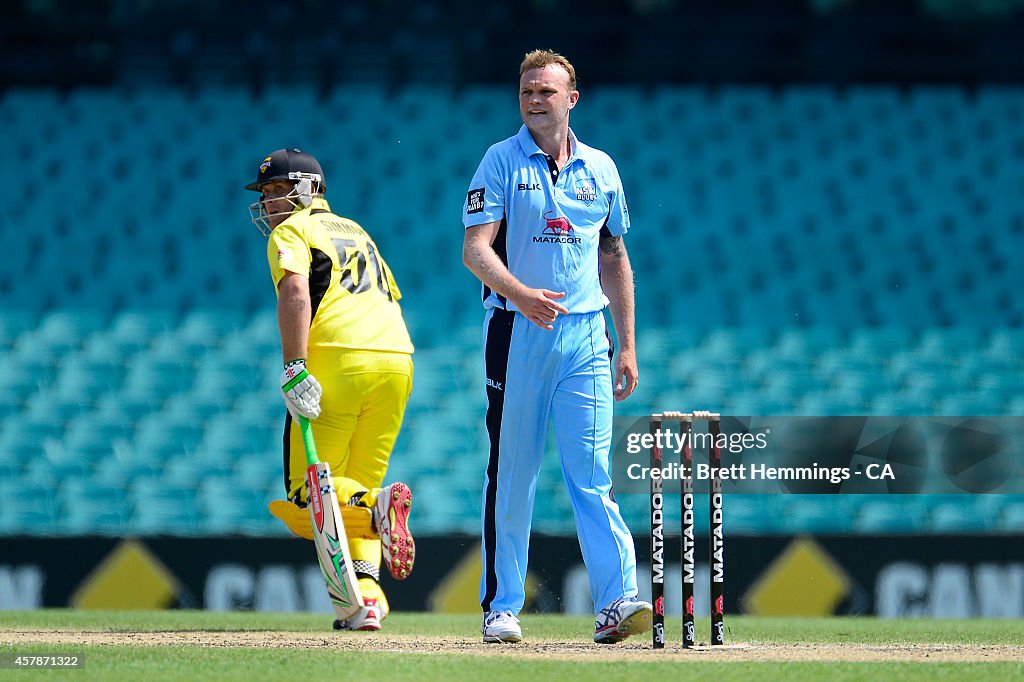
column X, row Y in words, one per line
column 530, row 147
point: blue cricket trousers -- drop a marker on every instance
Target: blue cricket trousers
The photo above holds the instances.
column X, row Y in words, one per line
column 534, row 375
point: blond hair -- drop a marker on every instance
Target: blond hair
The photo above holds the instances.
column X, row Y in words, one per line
column 538, row 59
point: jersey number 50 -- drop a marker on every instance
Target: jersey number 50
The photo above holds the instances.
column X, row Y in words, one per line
column 354, row 277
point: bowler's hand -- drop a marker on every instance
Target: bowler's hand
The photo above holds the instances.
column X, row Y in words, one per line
column 540, row 306
column 626, row 375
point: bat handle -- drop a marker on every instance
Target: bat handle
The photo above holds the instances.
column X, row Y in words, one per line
column 307, row 440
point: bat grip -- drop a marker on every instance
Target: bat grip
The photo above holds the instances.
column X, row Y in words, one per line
column 307, row 440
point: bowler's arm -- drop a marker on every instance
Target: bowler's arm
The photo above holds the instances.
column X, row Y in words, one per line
column 478, row 254
column 617, row 281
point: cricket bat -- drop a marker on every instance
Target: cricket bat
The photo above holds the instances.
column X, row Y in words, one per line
column 329, row 532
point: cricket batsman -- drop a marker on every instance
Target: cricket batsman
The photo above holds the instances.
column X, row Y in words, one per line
column 347, row 368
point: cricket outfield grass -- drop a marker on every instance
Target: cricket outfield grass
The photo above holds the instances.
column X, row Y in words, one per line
column 426, row 647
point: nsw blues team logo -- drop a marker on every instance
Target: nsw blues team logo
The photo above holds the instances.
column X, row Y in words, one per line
column 586, row 190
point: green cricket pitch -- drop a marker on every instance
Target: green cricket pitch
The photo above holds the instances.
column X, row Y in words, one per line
column 198, row 645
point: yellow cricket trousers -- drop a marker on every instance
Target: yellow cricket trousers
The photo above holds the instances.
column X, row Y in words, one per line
column 364, row 398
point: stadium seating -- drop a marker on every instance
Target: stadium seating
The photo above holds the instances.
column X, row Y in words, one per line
column 803, row 251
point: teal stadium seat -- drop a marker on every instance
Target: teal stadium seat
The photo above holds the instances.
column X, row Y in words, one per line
column 226, row 508
column 264, row 406
column 818, row 514
column 261, row 473
column 904, row 403
column 86, row 507
column 227, row 377
column 258, row 340
column 880, row 515
column 23, row 376
column 158, row 378
column 139, row 328
column 91, row 433
column 124, row 462
column 157, row 507
column 52, row 462
column 24, row 512
column 960, row 514
column 170, row 437
column 231, row 436
column 126, row 408
column 85, row 378
column 198, row 405
column 1011, row 518
column 209, row 327
column 13, row 323
column 754, row 514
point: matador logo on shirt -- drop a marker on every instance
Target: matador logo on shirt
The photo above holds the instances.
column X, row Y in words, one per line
column 557, row 230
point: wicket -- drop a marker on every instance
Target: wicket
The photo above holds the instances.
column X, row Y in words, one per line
column 717, row 537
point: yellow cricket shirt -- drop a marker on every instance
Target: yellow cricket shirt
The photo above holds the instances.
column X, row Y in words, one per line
column 353, row 293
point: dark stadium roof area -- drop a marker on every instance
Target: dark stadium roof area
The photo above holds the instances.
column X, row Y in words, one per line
column 192, row 42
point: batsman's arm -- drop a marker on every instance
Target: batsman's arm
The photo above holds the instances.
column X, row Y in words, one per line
column 617, row 281
column 300, row 389
column 294, row 312
column 540, row 306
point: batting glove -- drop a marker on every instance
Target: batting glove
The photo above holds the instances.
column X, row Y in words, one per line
column 301, row 390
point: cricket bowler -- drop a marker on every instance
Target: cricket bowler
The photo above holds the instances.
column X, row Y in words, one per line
column 545, row 217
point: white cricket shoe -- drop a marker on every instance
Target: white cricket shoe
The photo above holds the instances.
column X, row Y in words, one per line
column 623, row 617
column 501, row 627
column 368, row 619
column 391, row 519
